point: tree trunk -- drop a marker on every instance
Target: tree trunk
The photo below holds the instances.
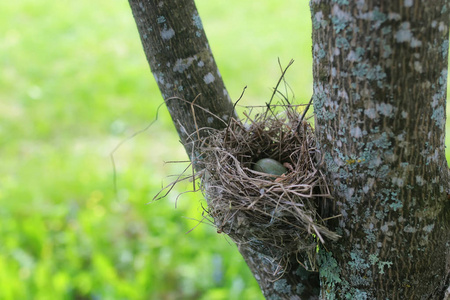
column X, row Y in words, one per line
column 379, row 96
column 380, row 79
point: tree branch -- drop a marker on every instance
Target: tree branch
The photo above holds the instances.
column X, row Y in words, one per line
column 181, row 61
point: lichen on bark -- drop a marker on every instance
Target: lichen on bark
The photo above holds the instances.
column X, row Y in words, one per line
column 380, row 77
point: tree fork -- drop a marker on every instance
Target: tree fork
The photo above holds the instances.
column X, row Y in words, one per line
column 181, row 61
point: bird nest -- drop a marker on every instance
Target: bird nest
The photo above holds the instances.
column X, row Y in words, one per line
column 271, row 213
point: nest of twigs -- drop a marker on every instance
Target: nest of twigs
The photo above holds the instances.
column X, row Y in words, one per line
column 269, row 212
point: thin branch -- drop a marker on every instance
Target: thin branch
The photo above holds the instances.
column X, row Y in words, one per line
column 276, row 87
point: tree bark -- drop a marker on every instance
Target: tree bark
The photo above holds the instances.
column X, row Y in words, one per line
column 181, row 61
column 380, row 78
column 380, row 74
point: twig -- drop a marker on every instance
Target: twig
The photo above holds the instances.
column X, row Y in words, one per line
column 231, row 113
column 111, row 154
column 193, row 115
column 306, row 110
column 276, row 87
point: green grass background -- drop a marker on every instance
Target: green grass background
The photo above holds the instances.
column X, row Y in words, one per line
column 74, row 82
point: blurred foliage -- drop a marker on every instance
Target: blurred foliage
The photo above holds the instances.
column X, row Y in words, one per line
column 74, row 83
